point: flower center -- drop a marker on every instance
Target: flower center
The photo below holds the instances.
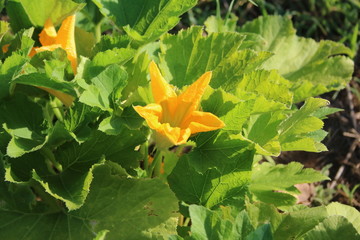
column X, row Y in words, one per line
column 175, row 112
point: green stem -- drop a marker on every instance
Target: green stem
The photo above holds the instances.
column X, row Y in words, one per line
column 50, row 160
column 229, row 12
column 98, row 30
column 145, row 152
column 186, row 222
column 56, row 108
column 218, row 16
column 155, row 166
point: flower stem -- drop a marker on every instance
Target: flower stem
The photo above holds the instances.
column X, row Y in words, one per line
column 154, row 169
column 145, row 151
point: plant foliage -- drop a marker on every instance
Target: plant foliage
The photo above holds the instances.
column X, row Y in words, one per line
column 94, row 170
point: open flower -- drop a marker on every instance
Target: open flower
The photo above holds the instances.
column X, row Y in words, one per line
column 64, row 38
column 174, row 118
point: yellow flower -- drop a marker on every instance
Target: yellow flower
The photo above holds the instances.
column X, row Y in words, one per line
column 64, row 38
column 174, row 118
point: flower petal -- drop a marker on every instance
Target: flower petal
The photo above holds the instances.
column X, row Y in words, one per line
column 160, row 88
column 195, row 91
column 48, row 34
column 66, row 38
column 203, row 122
column 151, row 113
column 66, row 99
column 167, row 136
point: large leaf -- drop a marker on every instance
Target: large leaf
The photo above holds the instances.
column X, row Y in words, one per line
column 42, row 80
column 186, row 56
column 215, row 172
column 25, row 14
column 138, row 205
column 309, row 65
column 286, row 225
column 307, row 223
column 350, row 213
column 336, row 227
column 23, row 120
column 71, row 185
column 145, row 20
column 134, row 212
column 270, row 183
column 216, row 225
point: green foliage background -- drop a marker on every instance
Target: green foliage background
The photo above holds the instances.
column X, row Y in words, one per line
column 80, row 172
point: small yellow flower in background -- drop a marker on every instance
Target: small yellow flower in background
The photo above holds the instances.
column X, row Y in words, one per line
column 5, row 48
column 175, row 117
column 64, row 38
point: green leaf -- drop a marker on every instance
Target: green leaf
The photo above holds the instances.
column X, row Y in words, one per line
column 270, row 183
column 207, row 224
column 292, row 225
column 266, row 83
column 333, row 228
column 42, row 226
column 216, row 172
column 78, row 119
column 227, row 107
column 11, row 67
column 25, row 14
column 42, row 80
column 145, row 21
column 105, row 88
column 18, row 170
column 85, row 41
column 261, row 233
column 4, row 26
column 112, row 125
column 137, row 73
column 108, row 42
column 22, row 43
column 217, row 24
column 138, row 205
column 57, row 135
column 186, row 56
column 113, row 56
column 350, row 213
column 309, row 65
column 71, row 185
column 301, row 131
column 24, row 121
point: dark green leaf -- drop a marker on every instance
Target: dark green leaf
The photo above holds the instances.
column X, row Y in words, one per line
column 145, row 21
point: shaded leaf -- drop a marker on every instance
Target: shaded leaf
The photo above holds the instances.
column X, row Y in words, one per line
column 145, row 21
column 24, row 13
column 71, row 185
column 24, row 121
